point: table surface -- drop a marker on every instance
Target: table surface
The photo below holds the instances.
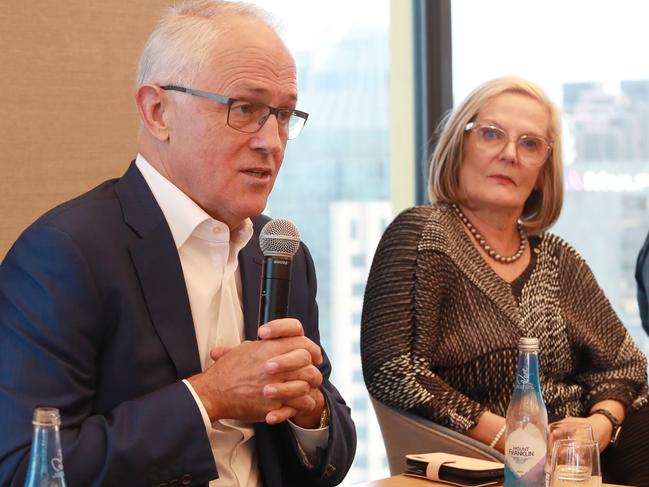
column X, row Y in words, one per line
column 405, row 481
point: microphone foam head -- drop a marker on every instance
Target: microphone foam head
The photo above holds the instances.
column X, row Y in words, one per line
column 279, row 238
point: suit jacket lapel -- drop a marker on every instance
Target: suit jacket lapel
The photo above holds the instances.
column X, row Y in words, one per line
column 158, row 268
column 250, row 263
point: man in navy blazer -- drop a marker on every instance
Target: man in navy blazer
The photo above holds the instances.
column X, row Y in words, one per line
column 103, row 313
column 642, row 281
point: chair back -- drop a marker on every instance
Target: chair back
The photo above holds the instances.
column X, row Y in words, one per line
column 404, row 432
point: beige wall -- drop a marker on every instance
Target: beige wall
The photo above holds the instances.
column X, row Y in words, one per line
column 402, row 107
column 67, row 117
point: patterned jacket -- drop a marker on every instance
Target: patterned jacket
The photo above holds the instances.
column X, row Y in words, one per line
column 440, row 328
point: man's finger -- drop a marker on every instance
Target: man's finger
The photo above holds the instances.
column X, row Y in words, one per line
column 284, row 345
column 309, row 374
column 285, row 391
column 304, row 404
column 280, row 415
column 282, row 328
column 293, row 360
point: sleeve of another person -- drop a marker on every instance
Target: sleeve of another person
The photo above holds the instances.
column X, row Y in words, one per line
column 642, row 280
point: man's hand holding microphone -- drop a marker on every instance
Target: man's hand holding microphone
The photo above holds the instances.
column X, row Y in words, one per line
column 276, row 377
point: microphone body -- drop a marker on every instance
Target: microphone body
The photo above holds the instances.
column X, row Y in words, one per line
column 275, row 288
column 279, row 241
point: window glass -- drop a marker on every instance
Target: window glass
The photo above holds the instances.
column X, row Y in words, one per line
column 335, row 180
column 589, row 56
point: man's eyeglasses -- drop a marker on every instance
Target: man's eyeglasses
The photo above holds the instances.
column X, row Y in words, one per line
column 532, row 150
column 250, row 117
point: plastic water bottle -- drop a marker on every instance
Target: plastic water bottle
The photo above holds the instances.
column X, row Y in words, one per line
column 526, row 422
column 46, row 460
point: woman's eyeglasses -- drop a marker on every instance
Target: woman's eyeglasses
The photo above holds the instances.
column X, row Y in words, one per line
column 532, row 150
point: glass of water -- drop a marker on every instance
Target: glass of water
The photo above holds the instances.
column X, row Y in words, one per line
column 575, row 463
column 566, row 430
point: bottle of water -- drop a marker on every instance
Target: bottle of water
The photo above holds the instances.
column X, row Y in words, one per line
column 526, row 422
column 45, row 460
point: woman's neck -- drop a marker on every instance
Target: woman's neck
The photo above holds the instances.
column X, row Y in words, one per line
column 498, row 227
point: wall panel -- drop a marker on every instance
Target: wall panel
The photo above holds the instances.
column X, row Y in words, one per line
column 67, row 116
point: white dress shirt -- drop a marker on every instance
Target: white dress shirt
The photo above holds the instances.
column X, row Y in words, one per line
column 208, row 253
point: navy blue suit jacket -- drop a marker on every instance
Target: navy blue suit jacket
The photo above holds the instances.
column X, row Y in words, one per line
column 95, row 320
column 642, row 281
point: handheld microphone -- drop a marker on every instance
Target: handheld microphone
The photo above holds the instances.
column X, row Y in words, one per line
column 279, row 241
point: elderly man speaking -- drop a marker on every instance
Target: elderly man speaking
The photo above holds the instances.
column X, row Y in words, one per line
column 133, row 308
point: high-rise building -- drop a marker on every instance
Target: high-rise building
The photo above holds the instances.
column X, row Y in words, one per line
column 356, row 229
column 609, row 126
column 334, row 185
column 608, row 182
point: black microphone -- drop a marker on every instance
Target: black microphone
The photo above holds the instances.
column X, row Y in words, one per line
column 279, row 241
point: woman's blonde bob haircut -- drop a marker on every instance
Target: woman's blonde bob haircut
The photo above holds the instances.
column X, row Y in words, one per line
column 543, row 206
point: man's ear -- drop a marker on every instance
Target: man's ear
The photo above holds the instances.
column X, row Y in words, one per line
column 151, row 105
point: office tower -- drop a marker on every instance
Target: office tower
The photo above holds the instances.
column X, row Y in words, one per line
column 334, row 185
column 606, row 210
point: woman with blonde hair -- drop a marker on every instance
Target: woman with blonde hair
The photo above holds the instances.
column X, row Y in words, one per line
column 455, row 284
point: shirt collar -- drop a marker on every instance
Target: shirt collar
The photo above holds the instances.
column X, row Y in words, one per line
column 183, row 215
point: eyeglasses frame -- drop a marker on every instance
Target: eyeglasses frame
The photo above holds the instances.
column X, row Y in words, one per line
column 230, row 101
column 476, row 124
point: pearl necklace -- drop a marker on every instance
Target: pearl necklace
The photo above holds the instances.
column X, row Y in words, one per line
column 483, row 243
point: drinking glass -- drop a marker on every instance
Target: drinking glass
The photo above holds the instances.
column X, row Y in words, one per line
column 575, row 463
column 566, row 430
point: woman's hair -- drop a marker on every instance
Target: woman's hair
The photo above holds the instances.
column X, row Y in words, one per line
column 184, row 37
column 543, row 206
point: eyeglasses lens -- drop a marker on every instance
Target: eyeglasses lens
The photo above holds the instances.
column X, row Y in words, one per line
column 250, row 117
column 531, row 149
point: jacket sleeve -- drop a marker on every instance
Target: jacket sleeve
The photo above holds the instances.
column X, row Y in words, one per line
column 396, row 343
column 52, row 331
column 336, row 459
column 642, row 281
column 611, row 366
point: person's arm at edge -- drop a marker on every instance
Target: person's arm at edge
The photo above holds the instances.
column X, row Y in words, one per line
column 641, row 276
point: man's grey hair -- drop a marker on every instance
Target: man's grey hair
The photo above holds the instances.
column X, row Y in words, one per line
column 183, row 39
